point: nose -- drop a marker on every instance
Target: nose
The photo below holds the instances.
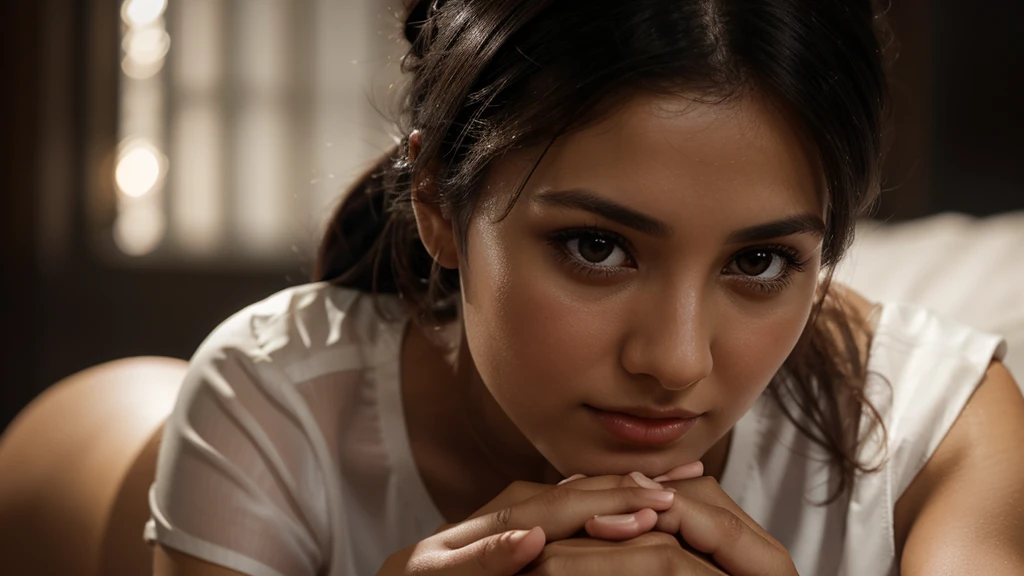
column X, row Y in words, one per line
column 670, row 341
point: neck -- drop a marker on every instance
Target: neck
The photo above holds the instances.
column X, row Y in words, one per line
column 495, row 434
column 466, row 448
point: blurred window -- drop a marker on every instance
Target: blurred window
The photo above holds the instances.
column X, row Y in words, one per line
column 241, row 122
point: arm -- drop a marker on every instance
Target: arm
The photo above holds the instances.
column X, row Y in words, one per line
column 964, row 513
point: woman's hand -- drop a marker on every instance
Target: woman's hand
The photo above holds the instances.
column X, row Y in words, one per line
column 649, row 553
column 612, row 527
column 511, row 532
column 707, row 522
column 706, row 518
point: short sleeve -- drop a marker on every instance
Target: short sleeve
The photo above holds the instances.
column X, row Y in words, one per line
column 922, row 372
column 239, row 482
column 932, row 382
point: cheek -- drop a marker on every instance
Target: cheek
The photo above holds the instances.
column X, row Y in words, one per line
column 750, row 351
column 523, row 334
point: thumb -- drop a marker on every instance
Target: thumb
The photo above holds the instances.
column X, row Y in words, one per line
column 502, row 554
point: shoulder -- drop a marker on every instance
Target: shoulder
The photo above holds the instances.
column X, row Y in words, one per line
column 274, row 361
column 247, row 475
column 965, row 507
column 954, row 418
column 283, row 371
column 295, row 326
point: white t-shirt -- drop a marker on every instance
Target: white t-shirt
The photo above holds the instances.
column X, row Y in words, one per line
column 287, row 452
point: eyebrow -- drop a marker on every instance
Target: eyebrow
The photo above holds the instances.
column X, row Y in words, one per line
column 798, row 224
column 591, row 202
column 585, row 200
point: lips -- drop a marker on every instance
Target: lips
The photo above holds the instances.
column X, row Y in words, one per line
column 653, row 413
column 645, row 426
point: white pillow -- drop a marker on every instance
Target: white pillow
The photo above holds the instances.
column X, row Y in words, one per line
column 970, row 269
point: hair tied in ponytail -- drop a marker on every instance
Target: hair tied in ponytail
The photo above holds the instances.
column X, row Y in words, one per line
column 419, row 16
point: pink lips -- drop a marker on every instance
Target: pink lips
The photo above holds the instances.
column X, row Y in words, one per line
column 650, row 428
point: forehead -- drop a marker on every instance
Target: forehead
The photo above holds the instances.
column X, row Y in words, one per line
column 734, row 164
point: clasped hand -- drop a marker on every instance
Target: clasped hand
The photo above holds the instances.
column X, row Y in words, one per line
column 680, row 523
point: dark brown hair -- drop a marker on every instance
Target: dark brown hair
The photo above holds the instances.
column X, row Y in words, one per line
column 488, row 76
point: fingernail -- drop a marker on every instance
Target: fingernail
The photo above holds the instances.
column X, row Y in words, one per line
column 644, row 481
column 518, row 536
column 571, row 478
column 663, row 496
column 617, row 519
column 684, row 472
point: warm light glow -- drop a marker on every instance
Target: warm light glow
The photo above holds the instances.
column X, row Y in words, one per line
column 139, row 228
column 136, row 71
column 138, row 170
column 197, row 207
column 142, row 12
column 145, row 50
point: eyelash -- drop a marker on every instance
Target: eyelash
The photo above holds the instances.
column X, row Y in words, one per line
column 558, row 240
column 793, row 266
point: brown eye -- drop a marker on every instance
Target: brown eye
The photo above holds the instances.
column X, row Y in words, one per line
column 754, row 263
column 594, row 249
column 597, row 251
column 759, row 264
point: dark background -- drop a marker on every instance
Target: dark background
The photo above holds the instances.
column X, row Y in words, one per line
column 958, row 127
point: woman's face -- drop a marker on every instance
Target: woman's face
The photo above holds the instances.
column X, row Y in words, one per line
column 657, row 270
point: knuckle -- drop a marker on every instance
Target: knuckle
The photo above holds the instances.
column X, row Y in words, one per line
column 731, row 527
column 503, row 519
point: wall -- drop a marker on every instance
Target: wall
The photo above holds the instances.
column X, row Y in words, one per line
column 957, row 148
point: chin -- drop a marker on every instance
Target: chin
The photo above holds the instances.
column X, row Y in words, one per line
column 622, row 461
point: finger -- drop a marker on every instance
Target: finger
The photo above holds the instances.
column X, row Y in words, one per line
column 706, row 489
column 560, row 512
column 684, row 472
column 513, row 494
column 502, row 554
column 621, row 526
column 631, row 480
column 571, row 545
column 729, row 540
column 571, row 478
column 660, row 538
column 563, row 558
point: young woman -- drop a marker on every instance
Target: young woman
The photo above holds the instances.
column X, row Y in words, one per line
column 580, row 321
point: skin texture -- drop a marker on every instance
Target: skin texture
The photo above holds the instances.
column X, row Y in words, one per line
column 964, row 512
column 672, row 325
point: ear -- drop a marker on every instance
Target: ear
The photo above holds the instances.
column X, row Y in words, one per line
column 434, row 224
